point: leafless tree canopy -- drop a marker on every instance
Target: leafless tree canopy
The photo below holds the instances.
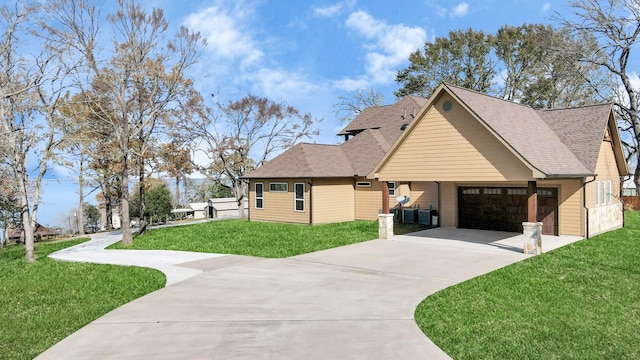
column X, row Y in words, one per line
column 616, row 26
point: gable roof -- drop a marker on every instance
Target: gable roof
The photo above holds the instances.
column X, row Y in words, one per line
column 552, row 143
column 388, row 118
column 306, row 160
column 523, row 131
column 373, row 131
column 580, row 129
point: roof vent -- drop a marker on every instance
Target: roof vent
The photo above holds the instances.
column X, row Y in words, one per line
column 403, row 127
column 447, row 106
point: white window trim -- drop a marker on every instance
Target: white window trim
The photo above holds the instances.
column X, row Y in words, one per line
column 392, row 192
column 597, row 184
column 610, row 192
column 296, row 199
column 603, row 200
column 286, row 186
column 255, row 200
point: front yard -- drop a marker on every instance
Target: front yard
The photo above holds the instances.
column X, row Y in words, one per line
column 44, row 302
column 581, row 301
column 271, row 240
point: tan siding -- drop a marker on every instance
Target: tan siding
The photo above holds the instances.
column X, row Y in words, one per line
column 448, row 204
column 279, row 206
column 606, row 169
column 333, row 200
column 452, row 146
column 368, row 201
column 424, row 195
column 570, row 215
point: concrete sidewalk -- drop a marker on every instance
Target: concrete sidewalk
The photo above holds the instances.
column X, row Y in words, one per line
column 352, row 302
column 93, row 251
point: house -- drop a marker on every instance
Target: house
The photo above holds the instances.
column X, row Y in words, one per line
column 213, row 209
column 315, row 184
column 482, row 162
column 39, row 232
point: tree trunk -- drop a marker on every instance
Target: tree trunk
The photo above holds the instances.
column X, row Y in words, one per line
column 26, row 224
column 142, row 223
column 125, row 221
column 177, row 191
column 80, row 204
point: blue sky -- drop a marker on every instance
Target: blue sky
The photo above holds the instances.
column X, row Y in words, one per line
column 308, row 53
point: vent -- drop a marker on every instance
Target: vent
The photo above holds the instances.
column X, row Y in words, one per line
column 447, row 106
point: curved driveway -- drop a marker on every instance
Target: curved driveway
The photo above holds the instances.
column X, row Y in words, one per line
column 352, row 302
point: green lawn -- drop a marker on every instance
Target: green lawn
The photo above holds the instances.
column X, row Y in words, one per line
column 254, row 238
column 581, row 301
column 46, row 301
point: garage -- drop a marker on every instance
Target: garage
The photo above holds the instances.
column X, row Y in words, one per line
column 505, row 208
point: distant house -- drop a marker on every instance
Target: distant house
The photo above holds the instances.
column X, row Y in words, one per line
column 212, row 209
column 481, row 161
column 40, row 232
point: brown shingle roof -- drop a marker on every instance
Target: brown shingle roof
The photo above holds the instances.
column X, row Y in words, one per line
column 580, row 129
column 524, row 130
column 373, row 130
column 562, row 142
column 387, row 118
column 306, row 160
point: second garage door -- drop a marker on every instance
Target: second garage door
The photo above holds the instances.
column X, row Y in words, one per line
column 504, row 209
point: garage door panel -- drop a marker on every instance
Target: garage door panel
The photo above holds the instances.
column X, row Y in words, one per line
column 504, row 209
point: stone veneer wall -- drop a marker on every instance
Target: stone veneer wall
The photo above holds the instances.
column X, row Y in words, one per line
column 605, row 218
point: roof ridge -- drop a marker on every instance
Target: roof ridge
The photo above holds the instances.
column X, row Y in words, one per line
column 609, row 103
column 488, row 95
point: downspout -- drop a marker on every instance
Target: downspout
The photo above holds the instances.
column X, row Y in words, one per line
column 439, row 208
column 584, row 205
column 310, row 182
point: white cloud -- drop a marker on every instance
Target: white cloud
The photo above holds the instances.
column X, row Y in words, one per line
column 335, row 9
column 281, row 84
column 226, row 34
column 389, row 46
column 546, row 6
column 460, row 10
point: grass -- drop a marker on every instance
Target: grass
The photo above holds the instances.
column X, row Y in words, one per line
column 581, row 301
column 241, row 237
column 46, row 301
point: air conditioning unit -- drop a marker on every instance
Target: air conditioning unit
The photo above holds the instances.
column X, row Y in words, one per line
column 424, row 217
column 409, row 216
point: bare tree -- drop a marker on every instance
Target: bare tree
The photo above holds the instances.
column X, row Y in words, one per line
column 137, row 84
column 242, row 136
column 616, row 26
column 32, row 80
column 348, row 107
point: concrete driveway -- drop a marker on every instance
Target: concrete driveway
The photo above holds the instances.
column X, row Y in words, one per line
column 352, row 302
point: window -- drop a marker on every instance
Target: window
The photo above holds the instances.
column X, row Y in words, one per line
column 259, row 190
column 597, row 193
column 492, row 191
column 363, row 184
column 299, row 196
column 392, row 188
column 518, row 191
column 278, row 187
column 603, row 199
column 471, row 191
column 609, row 193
